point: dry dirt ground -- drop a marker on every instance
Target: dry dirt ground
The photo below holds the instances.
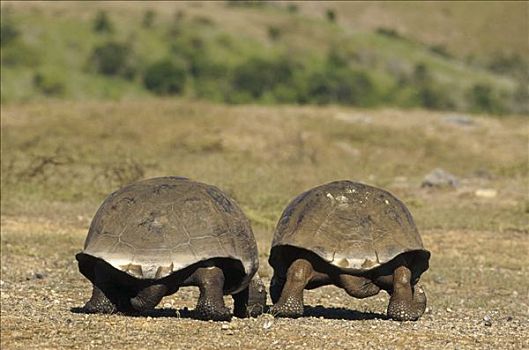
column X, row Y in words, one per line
column 61, row 159
column 477, row 287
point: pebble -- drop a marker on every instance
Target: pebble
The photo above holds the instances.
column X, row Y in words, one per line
column 488, row 321
column 440, row 178
column 461, row 120
column 486, row 193
column 268, row 322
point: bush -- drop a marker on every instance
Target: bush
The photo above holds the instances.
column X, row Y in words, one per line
column 434, row 97
column 8, row 32
column 342, row 85
column 389, row 32
column 113, row 59
column 441, row 50
column 257, row 76
column 148, row 19
column 292, row 8
column 513, row 65
column 102, row 23
column 165, row 77
column 274, row 33
column 49, row 83
column 331, row 15
column 483, row 99
column 19, row 53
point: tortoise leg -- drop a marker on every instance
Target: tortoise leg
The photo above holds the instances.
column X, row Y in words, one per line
column 210, row 305
column 276, row 287
column 290, row 302
column 358, row 287
column 106, row 297
column 148, row 297
column 251, row 301
column 405, row 304
column 99, row 303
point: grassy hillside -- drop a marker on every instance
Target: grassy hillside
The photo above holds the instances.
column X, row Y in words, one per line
column 218, row 45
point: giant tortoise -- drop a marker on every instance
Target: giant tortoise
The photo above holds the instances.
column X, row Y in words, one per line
column 354, row 236
column 153, row 236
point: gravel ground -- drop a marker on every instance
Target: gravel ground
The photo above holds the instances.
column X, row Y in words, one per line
column 476, row 300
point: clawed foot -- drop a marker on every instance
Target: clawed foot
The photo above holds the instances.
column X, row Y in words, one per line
column 403, row 310
column 206, row 311
column 291, row 308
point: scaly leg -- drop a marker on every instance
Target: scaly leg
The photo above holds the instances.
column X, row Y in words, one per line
column 210, row 305
column 290, row 303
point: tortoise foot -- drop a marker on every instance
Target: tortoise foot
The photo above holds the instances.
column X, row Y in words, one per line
column 291, row 308
column 206, row 310
column 96, row 307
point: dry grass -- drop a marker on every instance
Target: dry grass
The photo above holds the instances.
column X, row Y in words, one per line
column 77, row 153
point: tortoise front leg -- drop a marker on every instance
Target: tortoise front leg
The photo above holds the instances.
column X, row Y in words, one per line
column 405, row 304
column 251, row 301
column 290, row 302
column 210, row 305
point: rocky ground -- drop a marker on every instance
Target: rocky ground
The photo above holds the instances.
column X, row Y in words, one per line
column 477, row 287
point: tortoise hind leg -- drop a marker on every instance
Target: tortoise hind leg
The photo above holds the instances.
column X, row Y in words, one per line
column 148, row 297
column 276, row 287
column 290, row 303
column 406, row 303
column 251, row 301
column 107, row 296
column 99, row 303
column 210, row 305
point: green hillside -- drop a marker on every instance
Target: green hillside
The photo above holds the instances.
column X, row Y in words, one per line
column 260, row 52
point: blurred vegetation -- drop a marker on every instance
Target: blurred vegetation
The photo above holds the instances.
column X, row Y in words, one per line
column 284, row 57
column 63, row 158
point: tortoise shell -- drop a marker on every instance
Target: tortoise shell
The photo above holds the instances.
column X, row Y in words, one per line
column 353, row 226
column 152, row 228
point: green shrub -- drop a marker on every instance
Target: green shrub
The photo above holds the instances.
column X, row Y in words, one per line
column 148, row 19
column 513, row 65
column 258, row 75
column 343, row 86
column 432, row 96
column 49, row 83
column 292, row 8
column 483, row 99
column 8, row 32
column 19, row 53
column 274, row 33
column 114, row 59
column 165, row 77
column 331, row 15
column 102, row 23
column 389, row 32
column 441, row 50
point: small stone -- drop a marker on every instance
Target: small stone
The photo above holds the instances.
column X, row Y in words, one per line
column 449, row 310
column 167, row 305
column 268, row 322
column 461, row 120
column 440, row 178
column 486, row 193
column 487, row 320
